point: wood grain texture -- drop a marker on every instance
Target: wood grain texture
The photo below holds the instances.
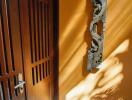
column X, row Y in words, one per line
column 39, row 82
column 74, row 40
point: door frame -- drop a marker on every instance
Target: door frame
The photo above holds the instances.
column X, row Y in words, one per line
column 55, row 4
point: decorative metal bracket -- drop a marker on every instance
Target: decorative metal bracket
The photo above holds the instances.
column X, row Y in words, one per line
column 95, row 53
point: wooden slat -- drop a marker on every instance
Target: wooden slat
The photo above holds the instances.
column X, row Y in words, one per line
column 48, row 34
column 32, row 30
column 5, row 85
column 33, row 75
column 48, row 39
column 46, row 30
column 36, row 74
column 36, row 29
column 2, row 56
column 43, row 28
column 40, row 30
column 7, row 35
column 49, row 67
column 43, row 70
column 40, row 72
column 46, row 68
column 10, row 89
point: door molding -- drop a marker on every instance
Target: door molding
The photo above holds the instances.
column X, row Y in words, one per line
column 55, row 4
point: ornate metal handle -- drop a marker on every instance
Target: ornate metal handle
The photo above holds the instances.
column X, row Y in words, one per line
column 95, row 53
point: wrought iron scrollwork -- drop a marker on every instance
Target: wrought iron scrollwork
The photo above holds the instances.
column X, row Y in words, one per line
column 95, row 53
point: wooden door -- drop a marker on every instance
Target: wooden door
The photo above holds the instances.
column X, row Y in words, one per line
column 11, row 64
column 26, row 49
column 37, row 40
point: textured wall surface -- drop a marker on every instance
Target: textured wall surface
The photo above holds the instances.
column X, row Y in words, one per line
column 114, row 80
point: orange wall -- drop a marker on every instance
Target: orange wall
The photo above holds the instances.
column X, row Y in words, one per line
column 114, row 80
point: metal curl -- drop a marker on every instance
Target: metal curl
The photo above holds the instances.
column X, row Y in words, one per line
column 95, row 53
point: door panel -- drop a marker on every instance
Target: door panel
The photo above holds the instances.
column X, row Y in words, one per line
column 26, row 48
column 10, row 50
column 37, row 48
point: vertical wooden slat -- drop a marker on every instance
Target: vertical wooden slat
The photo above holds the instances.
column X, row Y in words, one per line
column 6, row 34
column 40, row 39
column 46, row 68
column 10, row 91
column 5, row 87
column 40, row 72
column 46, row 32
column 43, row 28
column 32, row 28
column 40, row 30
column 34, row 18
column 36, row 28
column 2, row 56
column 49, row 69
column 33, row 76
column 36, row 71
column 16, row 82
column 43, row 70
column 48, row 37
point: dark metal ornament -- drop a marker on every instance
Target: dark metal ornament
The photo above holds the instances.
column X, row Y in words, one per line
column 95, row 53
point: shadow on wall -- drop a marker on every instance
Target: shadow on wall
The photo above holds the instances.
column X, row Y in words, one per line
column 74, row 40
column 111, row 82
column 75, row 15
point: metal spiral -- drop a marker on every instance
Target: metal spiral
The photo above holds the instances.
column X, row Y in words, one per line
column 95, row 53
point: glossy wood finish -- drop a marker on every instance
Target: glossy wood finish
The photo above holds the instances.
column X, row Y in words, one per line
column 37, row 48
column 26, row 46
column 10, row 50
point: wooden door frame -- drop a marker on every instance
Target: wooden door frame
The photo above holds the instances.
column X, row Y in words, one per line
column 55, row 4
